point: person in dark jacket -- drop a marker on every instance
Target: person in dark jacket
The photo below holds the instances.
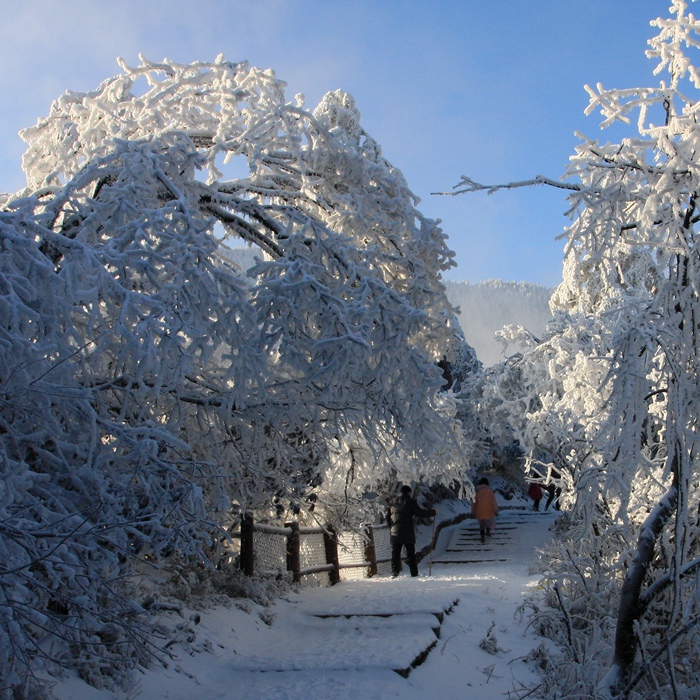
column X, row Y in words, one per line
column 553, row 493
column 400, row 518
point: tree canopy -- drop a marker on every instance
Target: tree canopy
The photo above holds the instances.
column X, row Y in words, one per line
column 151, row 389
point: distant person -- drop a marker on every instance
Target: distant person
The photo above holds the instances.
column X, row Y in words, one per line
column 402, row 510
column 485, row 508
column 535, row 493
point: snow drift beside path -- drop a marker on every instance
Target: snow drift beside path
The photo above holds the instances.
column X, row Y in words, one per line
column 320, row 642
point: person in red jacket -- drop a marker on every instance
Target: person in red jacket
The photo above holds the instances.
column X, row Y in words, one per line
column 485, row 508
column 535, row 493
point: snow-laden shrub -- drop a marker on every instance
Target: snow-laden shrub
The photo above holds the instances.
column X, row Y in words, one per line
column 577, row 608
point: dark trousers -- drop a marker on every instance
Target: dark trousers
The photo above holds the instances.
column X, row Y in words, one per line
column 553, row 493
column 396, row 567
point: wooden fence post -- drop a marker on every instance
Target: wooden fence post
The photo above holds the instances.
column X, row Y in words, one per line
column 247, row 560
column 370, row 553
column 293, row 552
column 330, row 542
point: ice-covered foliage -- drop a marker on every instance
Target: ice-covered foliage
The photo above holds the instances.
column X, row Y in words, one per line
column 484, row 310
column 632, row 261
column 612, row 390
column 549, row 398
column 151, row 390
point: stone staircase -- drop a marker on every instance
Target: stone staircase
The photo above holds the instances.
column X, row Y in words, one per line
column 397, row 632
column 461, row 544
column 420, row 629
column 374, row 631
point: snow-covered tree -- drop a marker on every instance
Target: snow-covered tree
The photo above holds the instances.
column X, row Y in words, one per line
column 632, row 254
column 632, row 271
column 547, row 397
column 149, row 385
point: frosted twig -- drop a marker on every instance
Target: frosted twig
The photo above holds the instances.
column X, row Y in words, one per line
column 466, row 184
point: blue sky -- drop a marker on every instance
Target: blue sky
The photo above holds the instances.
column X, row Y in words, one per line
column 490, row 89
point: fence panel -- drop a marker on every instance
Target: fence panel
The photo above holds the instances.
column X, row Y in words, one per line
column 351, row 556
column 313, row 554
column 382, row 548
column 270, row 546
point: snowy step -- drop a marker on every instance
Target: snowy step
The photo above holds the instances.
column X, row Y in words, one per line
column 469, row 537
column 466, row 559
column 341, row 643
column 351, row 639
column 462, row 544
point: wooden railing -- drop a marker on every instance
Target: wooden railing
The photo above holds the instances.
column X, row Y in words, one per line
column 297, row 551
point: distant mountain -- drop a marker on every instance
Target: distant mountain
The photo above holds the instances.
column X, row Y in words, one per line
column 485, row 307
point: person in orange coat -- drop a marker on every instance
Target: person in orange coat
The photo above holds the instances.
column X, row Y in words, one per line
column 485, row 508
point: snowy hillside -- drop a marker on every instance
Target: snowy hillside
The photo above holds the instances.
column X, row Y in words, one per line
column 485, row 307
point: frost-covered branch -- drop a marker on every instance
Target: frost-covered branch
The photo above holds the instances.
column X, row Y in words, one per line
column 663, row 582
column 467, row 184
column 626, row 644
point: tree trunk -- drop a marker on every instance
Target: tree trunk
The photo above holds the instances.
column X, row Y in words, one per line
column 247, row 559
column 294, row 551
column 330, row 543
column 629, row 611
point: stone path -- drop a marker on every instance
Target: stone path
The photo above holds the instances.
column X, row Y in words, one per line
column 450, row 633
column 461, row 544
column 399, row 622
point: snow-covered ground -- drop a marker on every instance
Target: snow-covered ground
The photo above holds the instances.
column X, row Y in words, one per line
column 349, row 640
